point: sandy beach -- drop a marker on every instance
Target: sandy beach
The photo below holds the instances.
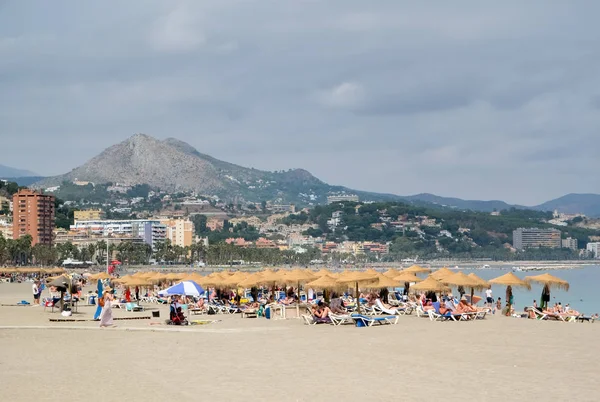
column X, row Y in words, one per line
column 498, row 358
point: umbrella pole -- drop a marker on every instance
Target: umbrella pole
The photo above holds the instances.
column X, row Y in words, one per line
column 298, row 303
column 472, row 294
column 357, row 298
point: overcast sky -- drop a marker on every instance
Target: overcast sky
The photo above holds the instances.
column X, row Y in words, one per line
column 479, row 100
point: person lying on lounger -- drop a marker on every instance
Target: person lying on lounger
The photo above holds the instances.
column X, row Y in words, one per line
column 321, row 312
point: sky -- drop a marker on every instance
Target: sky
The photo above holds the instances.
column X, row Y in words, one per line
column 477, row 100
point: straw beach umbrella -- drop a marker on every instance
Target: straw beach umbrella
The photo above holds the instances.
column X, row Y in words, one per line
column 460, row 279
column 325, row 282
column 509, row 280
column 442, row 273
column 392, row 273
column 357, row 278
column 298, row 276
column 416, row 269
column 430, row 284
column 407, row 278
column 549, row 282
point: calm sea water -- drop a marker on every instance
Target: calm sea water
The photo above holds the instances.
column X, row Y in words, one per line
column 583, row 294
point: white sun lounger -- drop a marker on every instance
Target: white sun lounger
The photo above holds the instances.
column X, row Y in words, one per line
column 339, row 319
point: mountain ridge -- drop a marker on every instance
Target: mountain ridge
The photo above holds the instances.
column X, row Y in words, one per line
column 172, row 164
column 10, row 172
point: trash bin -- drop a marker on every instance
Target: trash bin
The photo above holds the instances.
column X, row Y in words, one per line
column 156, row 314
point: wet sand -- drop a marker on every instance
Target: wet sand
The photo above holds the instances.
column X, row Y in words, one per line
column 256, row 359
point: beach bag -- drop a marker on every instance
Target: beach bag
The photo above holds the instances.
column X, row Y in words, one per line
column 101, row 301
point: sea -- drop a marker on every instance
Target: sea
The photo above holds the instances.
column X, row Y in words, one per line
column 583, row 294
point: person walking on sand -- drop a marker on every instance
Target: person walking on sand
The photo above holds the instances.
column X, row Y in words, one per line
column 35, row 288
column 488, row 297
column 106, row 318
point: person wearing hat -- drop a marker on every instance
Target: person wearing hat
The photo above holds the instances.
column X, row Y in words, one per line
column 106, row 318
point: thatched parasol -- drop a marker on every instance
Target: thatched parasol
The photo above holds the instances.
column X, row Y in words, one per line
column 461, row 280
column 357, row 278
column 392, row 273
column 383, row 281
column 549, row 282
column 298, row 276
column 407, row 278
column 442, row 273
column 322, row 272
column 101, row 275
column 430, row 284
column 416, row 269
column 325, row 282
column 509, row 280
column 7, row 270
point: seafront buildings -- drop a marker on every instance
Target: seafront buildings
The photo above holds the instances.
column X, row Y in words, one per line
column 151, row 231
column 533, row 237
column 33, row 214
column 594, row 249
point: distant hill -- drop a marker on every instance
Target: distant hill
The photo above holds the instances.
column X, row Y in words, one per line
column 8, row 172
column 588, row 204
column 475, row 205
column 26, row 180
column 175, row 165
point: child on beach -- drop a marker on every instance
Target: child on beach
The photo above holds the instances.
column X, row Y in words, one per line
column 499, row 304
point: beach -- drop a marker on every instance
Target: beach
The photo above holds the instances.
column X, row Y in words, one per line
column 498, row 358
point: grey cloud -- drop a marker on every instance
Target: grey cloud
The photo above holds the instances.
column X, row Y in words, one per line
column 407, row 97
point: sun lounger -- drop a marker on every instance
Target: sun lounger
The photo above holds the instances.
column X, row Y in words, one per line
column 367, row 321
column 249, row 313
column 583, row 318
column 131, row 307
column 339, row 319
column 384, row 309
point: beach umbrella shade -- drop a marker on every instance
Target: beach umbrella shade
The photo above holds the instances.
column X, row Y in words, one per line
column 325, row 282
column 392, row 273
column 549, row 282
column 101, row 275
column 407, row 278
column 509, row 280
column 322, row 272
column 362, row 278
column 460, row 279
column 185, row 288
column 136, row 282
column 430, row 284
column 298, row 276
column 383, row 281
column 416, row 269
column 442, row 273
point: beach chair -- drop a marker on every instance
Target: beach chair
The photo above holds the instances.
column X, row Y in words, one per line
column 339, row 319
column 309, row 319
column 131, row 307
column 384, row 309
column 367, row 321
column 539, row 315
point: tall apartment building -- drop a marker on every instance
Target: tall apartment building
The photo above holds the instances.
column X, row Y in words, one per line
column 33, row 214
column 179, row 231
column 533, row 237
column 570, row 242
column 88, row 215
column 594, row 249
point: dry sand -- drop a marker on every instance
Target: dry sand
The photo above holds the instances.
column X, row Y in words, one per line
column 256, row 359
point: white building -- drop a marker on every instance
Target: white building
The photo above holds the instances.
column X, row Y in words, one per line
column 152, row 231
column 594, row 248
column 342, row 198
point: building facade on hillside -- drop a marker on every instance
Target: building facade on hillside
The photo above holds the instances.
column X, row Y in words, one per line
column 594, row 249
column 533, row 237
column 152, row 231
column 214, row 224
column 6, row 229
column 570, row 242
column 179, row 231
column 342, row 198
column 89, row 215
column 33, row 214
column 5, row 203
